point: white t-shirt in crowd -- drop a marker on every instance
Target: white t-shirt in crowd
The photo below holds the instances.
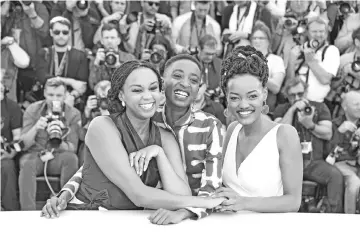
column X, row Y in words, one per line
column 276, row 65
column 316, row 90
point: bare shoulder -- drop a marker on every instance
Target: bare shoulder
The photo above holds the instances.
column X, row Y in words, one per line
column 101, row 126
column 287, row 137
column 166, row 135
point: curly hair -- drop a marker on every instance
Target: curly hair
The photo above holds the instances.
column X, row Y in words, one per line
column 118, row 79
column 244, row 60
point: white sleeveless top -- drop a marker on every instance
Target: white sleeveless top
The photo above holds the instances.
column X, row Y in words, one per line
column 259, row 174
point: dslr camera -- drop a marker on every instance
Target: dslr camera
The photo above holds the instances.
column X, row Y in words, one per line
column 102, row 103
column 313, row 43
column 156, row 56
column 18, row 146
column 308, row 110
column 82, row 5
column 295, row 26
column 355, row 66
column 156, row 28
column 344, row 8
column 111, row 58
column 55, row 112
column 193, row 50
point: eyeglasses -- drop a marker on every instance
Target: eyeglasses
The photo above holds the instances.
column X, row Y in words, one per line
column 64, row 32
column 153, row 3
column 259, row 38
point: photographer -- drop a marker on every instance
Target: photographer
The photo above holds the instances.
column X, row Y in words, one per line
column 28, row 23
column 348, row 76
column 190, row 27
column 96, row 105
column 345, row 148
column 64, row 61
column 158, row 53
column 211, row 67
column 109, row 57
column 313, row 122
column 344, row 41
column 150, row 24
column 315, row 62
column 84, row 18
column 11, row 121
column 12, row 58
column 51, row 134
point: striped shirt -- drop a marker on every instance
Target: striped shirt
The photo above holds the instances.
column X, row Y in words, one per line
column 200, row 137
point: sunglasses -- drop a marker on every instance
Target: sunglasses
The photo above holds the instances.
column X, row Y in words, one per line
column 293, row 95
column 153, row 3
column 64, row 32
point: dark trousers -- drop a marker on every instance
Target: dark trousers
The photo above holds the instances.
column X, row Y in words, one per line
column 9, row 199
column 325, row 174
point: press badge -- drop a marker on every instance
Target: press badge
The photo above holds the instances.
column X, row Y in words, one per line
column 306, row 147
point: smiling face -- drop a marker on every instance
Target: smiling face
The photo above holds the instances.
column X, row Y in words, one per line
column 141, row 95
column 245, row 96
column 181, row 83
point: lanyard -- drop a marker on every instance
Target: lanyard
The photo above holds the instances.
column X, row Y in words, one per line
column 202, row 30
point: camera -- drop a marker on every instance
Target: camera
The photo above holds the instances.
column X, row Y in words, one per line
column 18, row 146
column 313, row 43
column 156, row 27
column 131, row 17
column 295, row 26
column 111, row 58
column 344, row 8
column 102, row 103
column 157, row 56
column 193, row 50
column 308, row 110
column 55, row 112
column 355, row 66
column 225, row 38
column 82, row 5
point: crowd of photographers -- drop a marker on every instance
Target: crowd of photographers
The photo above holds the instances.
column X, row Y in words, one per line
column 57, row 58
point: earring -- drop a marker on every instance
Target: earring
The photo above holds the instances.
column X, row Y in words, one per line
column 265, row 108
column 226, row 113
column 123, row 103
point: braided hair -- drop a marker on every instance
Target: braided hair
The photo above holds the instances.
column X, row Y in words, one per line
column 244, row 60
column 118, row 79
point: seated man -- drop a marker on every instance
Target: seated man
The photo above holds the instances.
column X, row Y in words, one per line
column 64, row 61
column 11, row 121
column 50, row 133
column 345, row 151
column 313, row 122
column 108, row 57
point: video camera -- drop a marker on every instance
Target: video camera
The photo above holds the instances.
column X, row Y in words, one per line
column 55, row 112
column 18, row 146
column 157, row 56
column 82, row 5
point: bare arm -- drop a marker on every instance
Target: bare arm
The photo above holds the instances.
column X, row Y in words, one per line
column 104, row 143
column 323, row 130
column 172, row 173
column 291, row 165
column 320, row 73
column 21, row 58
column 274, row 83
column 288, row 117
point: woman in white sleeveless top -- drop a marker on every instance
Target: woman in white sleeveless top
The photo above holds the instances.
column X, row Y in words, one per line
column 262, row 169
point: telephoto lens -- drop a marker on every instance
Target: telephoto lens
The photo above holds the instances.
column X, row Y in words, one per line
column 355, row 66
column 110, row 58
column 314, row 44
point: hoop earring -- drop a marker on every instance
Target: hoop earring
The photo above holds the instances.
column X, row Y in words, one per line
column 226, row 113
column 265, row 108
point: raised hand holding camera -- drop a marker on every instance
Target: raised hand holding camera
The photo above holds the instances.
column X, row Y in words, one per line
column 306, row 117
column 41, row 123
column 100, row 57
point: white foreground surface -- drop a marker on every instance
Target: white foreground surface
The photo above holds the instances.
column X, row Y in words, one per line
column 135, row 225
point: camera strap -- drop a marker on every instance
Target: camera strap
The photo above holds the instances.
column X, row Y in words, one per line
column 241, row 19
column 57, row 69
column 198, row 33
